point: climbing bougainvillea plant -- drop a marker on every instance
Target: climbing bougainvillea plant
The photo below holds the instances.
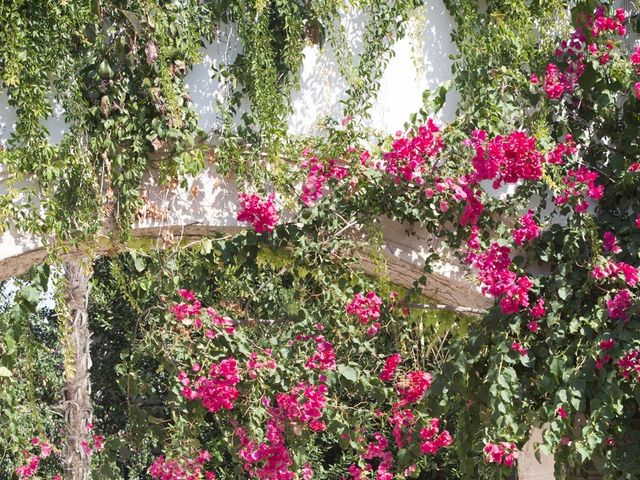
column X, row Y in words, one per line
column 545, row 213
column 548, row 221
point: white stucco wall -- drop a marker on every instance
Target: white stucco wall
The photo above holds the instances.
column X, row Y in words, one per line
column 421, row 61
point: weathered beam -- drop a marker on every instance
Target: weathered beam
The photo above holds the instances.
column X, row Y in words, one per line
column 208, row 205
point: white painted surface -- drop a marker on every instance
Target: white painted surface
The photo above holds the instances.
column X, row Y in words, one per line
column 420, row 61
column 8, row 119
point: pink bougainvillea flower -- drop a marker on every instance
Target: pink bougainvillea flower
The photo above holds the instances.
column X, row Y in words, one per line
column 365, row 307
column 518, row 348
column 413, row 386
column 635, row 57
column 433, row 439
column 45, row 450
column 261, row 214
column 538, row 310
column 568, row 147
column 580, row 183
column 216, row 391
column 629, row 365
column 607, row 344
column 554, row 82
column 390, row 366
column 181, row 469
column 602, row 361
column 613, row 269
column 562, row 413
column 319, row 173
column 506, row 159
column 618, row 307
column 498, row 280
column 611, row 243
column 529, row 230
column 325, row 358
column 409, row 154
column 503, row 453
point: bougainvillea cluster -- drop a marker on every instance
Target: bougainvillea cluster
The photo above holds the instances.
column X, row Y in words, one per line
column 580, row 184
column 412, row 387
column 216, row 391
column 261, row 214
column 41, row 449
column 618, row 307
column 506, row 159
column 30, row 468
column 498, row 280
column 502, row 453
column 433, row 439
column 629, row 365
column 303, row 405
column 529, row 230
column 182, row 469
column 268, row 460
column 390, row 366
column 410, row 154
column 324, row 358
column 367, row 309
column 318, row 174
column 592, row 39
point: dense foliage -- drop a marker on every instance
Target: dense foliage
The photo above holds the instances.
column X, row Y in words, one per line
column 268, row 354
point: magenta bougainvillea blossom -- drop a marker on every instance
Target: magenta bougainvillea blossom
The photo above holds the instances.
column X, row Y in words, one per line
column 528, row 231
column 324, row 358
column 611, row 243
column 318, row 174
column 409, row 154
column 498, row 280
column 554, row 82
column 390, row 366
column 41, row 449
column 216, row 391
column 580, row 184
column 412, row 387
column 502, row 453
column 433, row 439
column 618, row 307
column 506, row 159
column 182, row 469
column 629, row 365
column 367, row 309
column 261, row 214
column 304, row 405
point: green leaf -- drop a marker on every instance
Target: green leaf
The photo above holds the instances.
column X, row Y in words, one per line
column 139, row 263
column 563, row 292
column 348, row 372
column 5, row 372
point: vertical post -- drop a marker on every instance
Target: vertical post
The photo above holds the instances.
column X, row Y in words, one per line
column 77, row 390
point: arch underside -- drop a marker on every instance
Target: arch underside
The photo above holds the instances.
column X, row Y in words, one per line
column 208, row 206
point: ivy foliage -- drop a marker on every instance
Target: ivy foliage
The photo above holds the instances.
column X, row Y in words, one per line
column 117, row 69
column 304, row 271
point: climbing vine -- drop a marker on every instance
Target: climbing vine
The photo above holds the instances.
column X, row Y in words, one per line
column 256, row 354
column 118, row 68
